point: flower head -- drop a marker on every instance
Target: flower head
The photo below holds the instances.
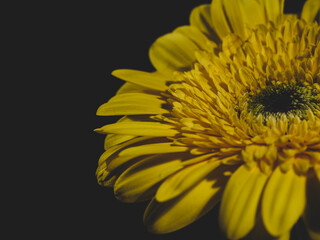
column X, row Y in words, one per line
column 231, row 114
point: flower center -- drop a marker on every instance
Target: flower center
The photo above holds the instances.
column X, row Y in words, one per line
column 290, row 99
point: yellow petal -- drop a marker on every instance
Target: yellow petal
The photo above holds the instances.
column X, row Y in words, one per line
column 184, row 180
column 154, row 148
column 310, row 10
column 200, row 18
column 115, row 139
column 260, row 233
column 312, row 211
column 106, row 156
column 240, row 201
column 175, row 214
column 234, row 15
column 132, row 104
column 194, row 34
column 137, row 180
column 252, row 12
column 155, row 80
column 129, row 87
column 173, row 52
column 155, row 129
column 274, row 9
column 283, row 201
column 284, row 236
column 105, row 178
column 219, row 20
column 132, row 153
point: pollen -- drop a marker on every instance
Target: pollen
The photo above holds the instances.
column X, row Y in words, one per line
column 290, row 99
column 254, row 100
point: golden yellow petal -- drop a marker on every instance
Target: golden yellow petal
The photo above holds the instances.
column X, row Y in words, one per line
column 283, row 201
column 310, row 10
column 142, row 176
column 154, row 148
column 240, row 201
column 200, row 18
column 234, row 15
column 115, row 139
column 132, row 104
column 155, row 129
column 274, row 10
column 154, row 80
column 110, row 151
column 175, row 214
column 194, row 34
column 252, row 12
column 184, row 180
column 129, row 87
column 173, row 52
column 312, row 211
column 284, row 236
column 130, row 154
column 219, row 21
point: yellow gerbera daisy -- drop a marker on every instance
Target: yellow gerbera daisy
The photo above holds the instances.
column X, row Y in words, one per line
column 231, row 114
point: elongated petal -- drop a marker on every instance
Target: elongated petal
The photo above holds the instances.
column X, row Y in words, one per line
column 132, row 104
column 274, row 9
column 138, row 179
column 200, row 17
column 310, row 10
column 115, row 139
column 134, row 154
column 312, row 211
column 175, row 214
column 252, row 12
column 284, row 236
column 155, row 148
column 139, row 129
column 110, row 151
column 194, row 34
column 283, row 201
column 155, row 80
column 219, row 20
column 129, row 87
column 173, row 52
column 260, row 233
column 184, row 180
column 235, row 18
column 240, row 201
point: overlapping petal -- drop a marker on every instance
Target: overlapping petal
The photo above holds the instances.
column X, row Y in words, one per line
column 139, row 129
column 185, row 179
column 172, row 215
column 154, row 80
column 173, row 52
column 133, row 104
column 187, row 127
column 137, row 180
column 240, row 201
column 310, row 10
column 312, row 211
column 283, row 201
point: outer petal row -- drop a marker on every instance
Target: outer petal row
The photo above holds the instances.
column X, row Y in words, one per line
column 240, row 201
column 176, row 51
column 172, row 215
column 283, row 201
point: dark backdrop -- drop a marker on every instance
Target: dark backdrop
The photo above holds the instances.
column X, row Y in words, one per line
column 68, row 51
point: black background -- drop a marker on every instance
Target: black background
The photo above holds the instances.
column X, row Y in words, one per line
column 61, row 56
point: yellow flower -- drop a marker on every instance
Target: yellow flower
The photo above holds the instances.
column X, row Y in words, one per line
column 231, row 114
